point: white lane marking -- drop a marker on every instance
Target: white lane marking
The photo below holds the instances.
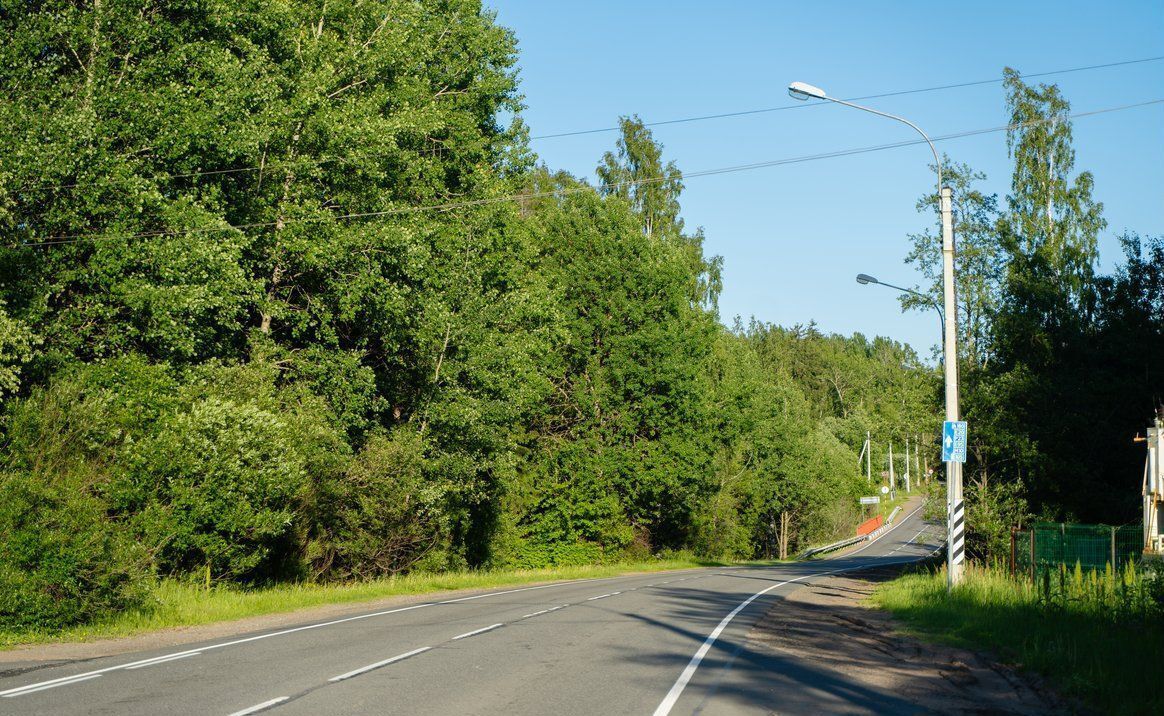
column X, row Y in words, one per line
column 378, row 664
column 162, row 660
column 544, row 611
column 475, row 632
column 603, row 596
column 259, row 707
column 65, row 679
column 41, row 687
column 911, row 539
column 883, row 534
column 680, row 684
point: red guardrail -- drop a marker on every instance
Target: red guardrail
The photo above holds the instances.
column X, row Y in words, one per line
column 869, row 525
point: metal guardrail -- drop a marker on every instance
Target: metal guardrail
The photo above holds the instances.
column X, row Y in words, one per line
column 840, row 544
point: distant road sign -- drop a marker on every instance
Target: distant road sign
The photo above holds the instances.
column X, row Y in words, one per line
column 874, row 500
column 884, row 490
column 954, row 441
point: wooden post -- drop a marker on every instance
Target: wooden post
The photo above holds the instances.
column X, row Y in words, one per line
column 1012, row 545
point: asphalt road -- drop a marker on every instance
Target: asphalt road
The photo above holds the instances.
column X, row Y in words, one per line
column 663, row 643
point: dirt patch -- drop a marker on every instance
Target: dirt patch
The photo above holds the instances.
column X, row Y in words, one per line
column 830, row 629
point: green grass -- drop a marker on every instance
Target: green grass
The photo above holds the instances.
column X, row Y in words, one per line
column 182, row 604
column 1097, row 637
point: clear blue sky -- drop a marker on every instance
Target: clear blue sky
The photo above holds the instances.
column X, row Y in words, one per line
column 793, row 237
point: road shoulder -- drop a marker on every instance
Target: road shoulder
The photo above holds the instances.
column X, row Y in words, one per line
column 830, row 629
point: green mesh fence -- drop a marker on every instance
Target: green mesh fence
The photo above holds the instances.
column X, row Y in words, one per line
column 1049, row 545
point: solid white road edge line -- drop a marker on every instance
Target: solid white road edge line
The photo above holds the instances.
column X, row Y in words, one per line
column 475, row 632
column 162, row 660
column 42, row 687
column 378, row 664
column 259, row 707
column 680, row 684
column 883, row 534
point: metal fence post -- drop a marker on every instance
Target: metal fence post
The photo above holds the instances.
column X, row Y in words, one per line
column 1113, row 550
column 1032, row 554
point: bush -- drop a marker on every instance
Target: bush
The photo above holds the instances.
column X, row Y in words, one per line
column 218, row 485
column 387, row 514
column 62, row 562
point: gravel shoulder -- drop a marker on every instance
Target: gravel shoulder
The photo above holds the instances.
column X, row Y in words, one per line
column 860, row 659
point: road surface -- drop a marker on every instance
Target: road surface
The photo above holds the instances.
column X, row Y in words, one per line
column 662, row 643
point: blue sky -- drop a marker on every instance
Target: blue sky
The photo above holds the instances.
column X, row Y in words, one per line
column 793, row 237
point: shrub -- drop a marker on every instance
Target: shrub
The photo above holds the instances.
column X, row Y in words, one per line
column 62, row 562
column 387, row 515
column 217, row 485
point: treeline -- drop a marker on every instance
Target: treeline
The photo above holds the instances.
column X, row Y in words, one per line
column 267, row 313
column 1060, row 365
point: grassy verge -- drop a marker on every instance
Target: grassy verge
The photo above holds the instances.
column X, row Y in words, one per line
column 180, row 604
column 1094, row 636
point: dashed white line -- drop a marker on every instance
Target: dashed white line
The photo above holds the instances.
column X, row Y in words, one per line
column 545, row 611
column 475, row 632
column 161, row 660
column 603, row 596
column 378, row 664
column 48, row 685
column 64, row 680
column 259, row 707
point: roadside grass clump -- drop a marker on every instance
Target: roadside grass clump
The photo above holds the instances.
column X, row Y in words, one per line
column 1097, row 635
column 185, row 603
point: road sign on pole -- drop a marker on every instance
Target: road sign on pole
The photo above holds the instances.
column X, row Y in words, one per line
column 954, row 441
column 874, row 500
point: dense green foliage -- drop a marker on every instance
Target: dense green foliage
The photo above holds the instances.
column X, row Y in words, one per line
column 268, row 313
column 1060, row 366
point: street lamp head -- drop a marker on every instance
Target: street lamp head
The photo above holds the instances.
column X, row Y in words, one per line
column 864, row 278
column 803, row 91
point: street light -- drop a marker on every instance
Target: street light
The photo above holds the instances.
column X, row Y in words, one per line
column 864, row 278
column 955, row 509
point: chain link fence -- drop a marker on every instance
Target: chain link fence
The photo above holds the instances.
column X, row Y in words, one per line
column 1051, row 545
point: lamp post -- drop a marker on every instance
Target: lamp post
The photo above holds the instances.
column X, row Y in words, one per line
column 864, row 278
column 955, row 508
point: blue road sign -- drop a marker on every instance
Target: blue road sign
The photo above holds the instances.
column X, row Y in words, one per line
column 954, row 441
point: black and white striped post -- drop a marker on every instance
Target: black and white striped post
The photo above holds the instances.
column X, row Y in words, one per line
column 957, row 537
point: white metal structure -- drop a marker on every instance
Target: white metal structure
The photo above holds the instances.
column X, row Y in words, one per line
column 1154, row 490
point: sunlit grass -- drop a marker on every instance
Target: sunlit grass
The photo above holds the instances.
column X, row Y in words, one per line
column 183, row 604
column 1096, row 636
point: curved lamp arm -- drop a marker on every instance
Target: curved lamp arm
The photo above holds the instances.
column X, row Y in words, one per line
column 903, row 120
column 924, row 297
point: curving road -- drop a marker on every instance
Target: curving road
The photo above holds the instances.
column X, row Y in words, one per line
column 663, row 643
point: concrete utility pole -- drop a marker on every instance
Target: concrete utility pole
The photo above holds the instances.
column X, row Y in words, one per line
column 868, row 456
column 917, row 458
column 955, row 509
column 907, row 485
column 892, row 477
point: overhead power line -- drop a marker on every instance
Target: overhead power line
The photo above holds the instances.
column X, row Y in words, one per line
column 683, row 120
column 802, row 105
column 448, row 206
